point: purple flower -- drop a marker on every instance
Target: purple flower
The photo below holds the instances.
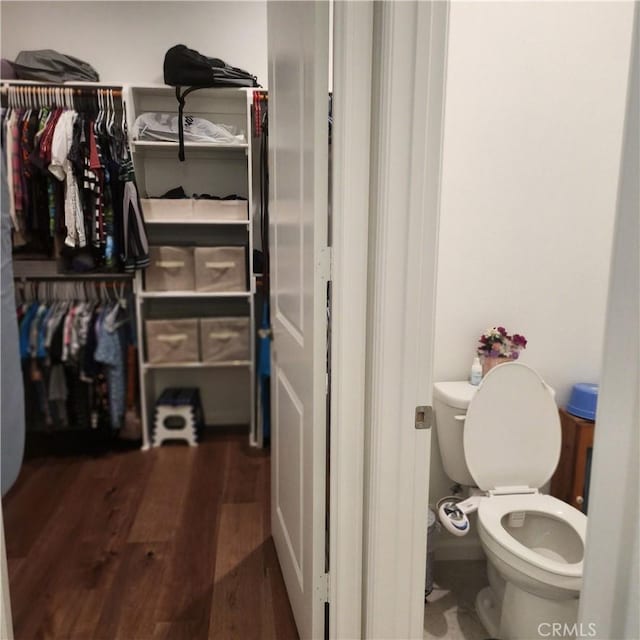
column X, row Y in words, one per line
column 519, row 341
column 498, row 343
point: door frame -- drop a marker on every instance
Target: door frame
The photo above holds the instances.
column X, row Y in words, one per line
column 609, row 598
column 350, row 153
column 409, row 71
column 6, row 621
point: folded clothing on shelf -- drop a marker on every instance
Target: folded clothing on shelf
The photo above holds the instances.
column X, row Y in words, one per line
column 178, row 193
column 165, row 127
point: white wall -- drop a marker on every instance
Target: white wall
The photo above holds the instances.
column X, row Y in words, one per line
column 533, row 129
column 126, row 41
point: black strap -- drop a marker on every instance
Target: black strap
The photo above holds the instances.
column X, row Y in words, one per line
column 181, row 101
column 181, row 98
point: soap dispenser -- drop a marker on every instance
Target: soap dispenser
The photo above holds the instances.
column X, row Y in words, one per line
column 476, row 372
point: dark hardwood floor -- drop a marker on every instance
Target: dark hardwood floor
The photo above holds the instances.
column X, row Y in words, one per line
column 174, row 544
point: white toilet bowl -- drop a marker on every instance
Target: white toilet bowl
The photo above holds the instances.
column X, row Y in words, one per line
column 534, row 543
column 535, row 546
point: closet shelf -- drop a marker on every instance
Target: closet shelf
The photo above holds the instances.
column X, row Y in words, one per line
column 194, row 294
column 198, row 365
column 150, row 219
column 161, row 144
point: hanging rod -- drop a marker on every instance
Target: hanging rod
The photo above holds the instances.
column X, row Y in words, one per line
column 48, row 270
column 70, row 277
column 92, row 86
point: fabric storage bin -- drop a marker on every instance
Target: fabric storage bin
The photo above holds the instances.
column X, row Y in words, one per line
column 224, row 339
column 170, row 269
column 172, row 341
column 167, row 209
column 212, row 210
column 220, row 269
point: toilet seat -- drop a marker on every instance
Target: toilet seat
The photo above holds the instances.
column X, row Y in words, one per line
column 512, row 434
column 492, row 509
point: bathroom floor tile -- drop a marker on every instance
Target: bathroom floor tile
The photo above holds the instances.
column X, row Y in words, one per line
column 450, row 609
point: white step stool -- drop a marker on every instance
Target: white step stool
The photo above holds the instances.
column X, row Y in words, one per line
column 187, row 432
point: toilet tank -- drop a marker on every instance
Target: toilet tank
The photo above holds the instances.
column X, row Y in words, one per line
column 450, row 403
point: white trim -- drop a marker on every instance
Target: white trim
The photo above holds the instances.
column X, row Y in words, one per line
column 6, row 623
column 609, row 599
column 409, row 69
column 353, row 31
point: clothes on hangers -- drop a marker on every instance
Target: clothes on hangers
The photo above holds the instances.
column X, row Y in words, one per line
column 62, row 169
column 70, row 173
column 74, row 363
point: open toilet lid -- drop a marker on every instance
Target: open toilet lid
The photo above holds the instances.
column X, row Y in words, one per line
column 512, row 431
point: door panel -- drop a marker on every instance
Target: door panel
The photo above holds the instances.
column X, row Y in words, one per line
column 298, row 35
column 290, row 483
column 288, row 240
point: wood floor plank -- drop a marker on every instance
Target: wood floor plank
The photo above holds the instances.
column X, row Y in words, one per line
column 163, row 500
column 244, row 473
column 185, row 603
column 97, row 558
column 276, row 596
column 31, row 503
column 278, row 600
column 32, row 588
column 129, row 610
column 239, row 575
column 100, row 509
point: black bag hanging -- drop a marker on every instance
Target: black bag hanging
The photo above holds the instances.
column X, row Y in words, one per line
column 184, row 67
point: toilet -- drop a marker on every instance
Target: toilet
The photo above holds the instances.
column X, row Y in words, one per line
column 504, row 438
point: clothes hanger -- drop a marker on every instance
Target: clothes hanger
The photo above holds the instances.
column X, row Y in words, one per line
column 112, row 113
column 96, row 124
column 103, row 113
column 121, row 304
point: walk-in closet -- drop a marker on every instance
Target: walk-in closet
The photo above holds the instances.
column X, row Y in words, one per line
column 135, row 322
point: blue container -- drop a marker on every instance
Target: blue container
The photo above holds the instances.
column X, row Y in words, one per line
column 584, row 400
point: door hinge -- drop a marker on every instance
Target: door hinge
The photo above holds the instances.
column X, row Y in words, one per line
column 424, row 417
column 325, row 261
column 323, row 587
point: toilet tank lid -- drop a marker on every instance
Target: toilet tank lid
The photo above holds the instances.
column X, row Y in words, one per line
column 456, row 394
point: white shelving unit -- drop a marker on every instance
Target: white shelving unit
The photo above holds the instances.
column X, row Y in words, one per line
column 162, row 144
column 194, row 294
column 200, row 365
column 227, row 388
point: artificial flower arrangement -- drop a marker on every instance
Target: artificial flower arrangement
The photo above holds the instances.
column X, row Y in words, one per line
column 497, row 343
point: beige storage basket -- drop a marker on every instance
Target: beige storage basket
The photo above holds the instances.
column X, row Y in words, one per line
column 167, row 209
column 170, row 269
column 220, row 210
column 224, row 339
column 220, row 269
column 172, row 341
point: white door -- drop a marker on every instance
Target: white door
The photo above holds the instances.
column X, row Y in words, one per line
column 298, row 38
